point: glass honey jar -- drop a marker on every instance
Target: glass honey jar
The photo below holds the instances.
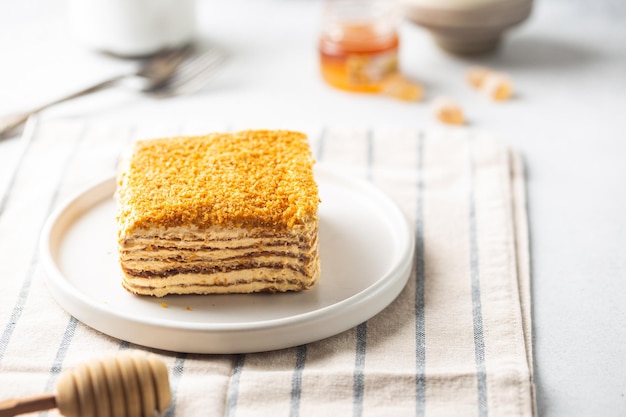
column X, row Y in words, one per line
column 358, row 44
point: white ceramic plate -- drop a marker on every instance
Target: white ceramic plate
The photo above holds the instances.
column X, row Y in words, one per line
column 366, row 251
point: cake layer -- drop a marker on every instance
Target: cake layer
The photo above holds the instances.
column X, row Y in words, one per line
column 165, row 257
column 251, row 260
column 148, row 267
column 195, row 233
column 157, row 249
column 240, row 281
column 153, row 243
column 235, row 241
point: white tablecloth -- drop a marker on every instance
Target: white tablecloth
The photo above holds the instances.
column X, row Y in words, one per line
column 457, row 341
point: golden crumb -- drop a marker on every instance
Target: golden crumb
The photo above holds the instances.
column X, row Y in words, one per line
column 399, row 87
column 244, row 179
column 495, row 85
column 476, row 76
column 448, row 112
column 163, row 305
column 188, row 308
column 498, row 86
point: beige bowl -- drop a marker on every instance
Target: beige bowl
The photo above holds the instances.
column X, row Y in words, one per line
column 467, row 26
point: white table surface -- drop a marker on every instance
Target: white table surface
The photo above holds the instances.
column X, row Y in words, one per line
column 568, row 120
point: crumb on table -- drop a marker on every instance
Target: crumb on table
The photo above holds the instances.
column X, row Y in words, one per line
column 397, row 86
column 495, row 85
column 447, row 111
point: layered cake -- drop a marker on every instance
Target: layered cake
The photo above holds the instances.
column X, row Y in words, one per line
column 221, row 213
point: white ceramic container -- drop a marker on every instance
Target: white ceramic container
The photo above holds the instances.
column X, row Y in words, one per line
column 132, row 28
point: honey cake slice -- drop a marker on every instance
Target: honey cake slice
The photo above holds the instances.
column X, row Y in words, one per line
column 220, row 213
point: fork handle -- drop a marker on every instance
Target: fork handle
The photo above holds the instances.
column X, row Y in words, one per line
column 11, row 122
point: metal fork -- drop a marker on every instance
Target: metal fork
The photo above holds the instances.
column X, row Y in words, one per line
column 170, row 72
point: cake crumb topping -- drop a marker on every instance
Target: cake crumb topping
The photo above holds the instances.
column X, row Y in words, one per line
column 245, row 179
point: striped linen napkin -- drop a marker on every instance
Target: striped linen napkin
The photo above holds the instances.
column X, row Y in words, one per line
column 456, row 342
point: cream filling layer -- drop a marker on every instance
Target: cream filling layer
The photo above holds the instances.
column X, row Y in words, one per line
column 155, row 249
column 210, row 264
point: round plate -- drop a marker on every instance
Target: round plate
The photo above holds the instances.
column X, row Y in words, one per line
column 366, row 252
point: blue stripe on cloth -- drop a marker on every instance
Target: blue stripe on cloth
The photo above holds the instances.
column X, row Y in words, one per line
column 18, row 308
column 420, row 324
column 296, row 381
column 57, row 365
column 177, row 374
column 359, row 366
column 233, row 388
column 479, row 342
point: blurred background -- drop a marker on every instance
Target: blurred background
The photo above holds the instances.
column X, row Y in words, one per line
column 272, row 49
column 567, row 116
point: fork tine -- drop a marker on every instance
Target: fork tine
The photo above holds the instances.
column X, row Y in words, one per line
column 197, row 64
column 202, row 66
column 191, row 75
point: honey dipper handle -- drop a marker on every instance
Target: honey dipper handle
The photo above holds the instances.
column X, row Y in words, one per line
column 19, row 406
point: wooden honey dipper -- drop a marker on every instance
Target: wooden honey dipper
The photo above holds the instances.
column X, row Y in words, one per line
column 130, row 384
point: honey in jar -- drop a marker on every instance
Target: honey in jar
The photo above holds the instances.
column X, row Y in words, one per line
column 358, row 46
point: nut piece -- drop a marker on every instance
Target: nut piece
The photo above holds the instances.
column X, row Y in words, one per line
column 399, row 87
column 495, row 85
column 448, row 112
column 476, row 76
